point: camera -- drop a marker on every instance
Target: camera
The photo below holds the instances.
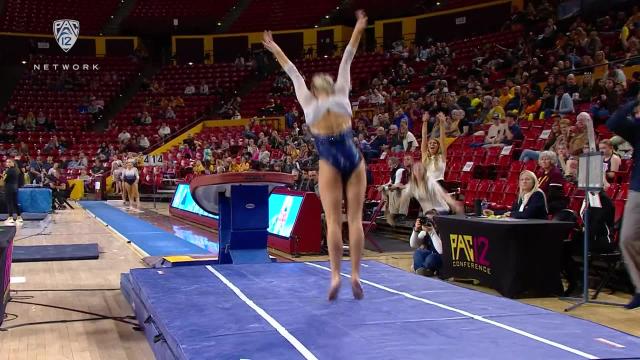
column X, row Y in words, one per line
column 424, row 221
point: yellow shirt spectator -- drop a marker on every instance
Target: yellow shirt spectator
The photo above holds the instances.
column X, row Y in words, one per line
column 198, row 168
column 241, row 167
column 505, row 98
column 495, row 110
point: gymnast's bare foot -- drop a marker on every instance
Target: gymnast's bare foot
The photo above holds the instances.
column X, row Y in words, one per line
column 356, row 287
column 334, row 289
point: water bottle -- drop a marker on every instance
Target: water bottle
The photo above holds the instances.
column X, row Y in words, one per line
column 485, row 205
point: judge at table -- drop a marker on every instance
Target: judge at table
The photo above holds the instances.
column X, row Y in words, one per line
column 531, row 202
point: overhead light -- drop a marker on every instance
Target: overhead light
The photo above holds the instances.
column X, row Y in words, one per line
column 438, row 3
column 24, row 62
column 326, row 16
column 315, row 26
column 326, row 56
column 337, row 7
column 190, row 63
column 219, row 24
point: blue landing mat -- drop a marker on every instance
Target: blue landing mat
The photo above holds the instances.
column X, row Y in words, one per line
column 38, row 253
column 150, row 239
column 403, row 316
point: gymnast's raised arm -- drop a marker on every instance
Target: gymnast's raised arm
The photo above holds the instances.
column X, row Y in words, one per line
column 302, row 93
column 343, row 83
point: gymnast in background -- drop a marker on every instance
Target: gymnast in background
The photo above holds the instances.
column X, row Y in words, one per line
column 327, row 111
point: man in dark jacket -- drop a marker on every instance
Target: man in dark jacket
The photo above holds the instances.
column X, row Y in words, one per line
column 625, row 122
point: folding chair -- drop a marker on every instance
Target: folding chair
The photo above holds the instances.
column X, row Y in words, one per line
column 370, row 225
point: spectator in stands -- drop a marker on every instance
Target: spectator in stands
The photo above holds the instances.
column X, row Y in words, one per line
column 264, row 155
column 143, row 142
column 563, row 104
column 97, row 169
column 409, row 141
column 496, row 109
column 164, row 131
column 392, row 191
column 13, row 152
column 54, row 170
column 577, row 137
column 427, row 258
column 124, row 136
column 170, row 114
column 451, row 126
column 204, row 88
column 23, row 149
column 52, row 145
column 497, row 132
column 275, row 141
column 376, row 143
column 395, row 141
column 12, row 112
column 239, row 165
column 564, row 161
column 531, row 202
column 83, row 161
column 551, row 182
column 309, row 182
column 146, row 119
column 198, row 168
column 30, row 121
column 513, row 129
column 190, row 90
column 8, row 125
column 611, row 160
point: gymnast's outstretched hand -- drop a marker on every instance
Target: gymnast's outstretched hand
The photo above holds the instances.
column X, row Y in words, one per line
column 361, row 24
column 269, row 44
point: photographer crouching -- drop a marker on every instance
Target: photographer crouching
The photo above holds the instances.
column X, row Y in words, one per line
column 427, row 259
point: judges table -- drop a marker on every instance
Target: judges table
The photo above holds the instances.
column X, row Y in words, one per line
column 6, row 245
column 518, row 258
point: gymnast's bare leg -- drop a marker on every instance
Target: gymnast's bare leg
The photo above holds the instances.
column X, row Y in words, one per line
column 356, row 188
column 330, row 186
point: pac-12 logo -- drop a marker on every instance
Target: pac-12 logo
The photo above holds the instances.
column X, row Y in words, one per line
column 66, row 32
column 470, row 252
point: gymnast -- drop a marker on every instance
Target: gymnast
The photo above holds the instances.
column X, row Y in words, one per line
column 327, row 111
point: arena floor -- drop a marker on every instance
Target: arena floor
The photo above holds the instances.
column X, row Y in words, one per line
column 81, row 298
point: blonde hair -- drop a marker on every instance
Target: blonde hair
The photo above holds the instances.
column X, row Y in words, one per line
column 414, row 188
column 536, row 184
column 322, row 83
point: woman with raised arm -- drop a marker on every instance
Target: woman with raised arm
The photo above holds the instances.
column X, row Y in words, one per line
column 327, row 111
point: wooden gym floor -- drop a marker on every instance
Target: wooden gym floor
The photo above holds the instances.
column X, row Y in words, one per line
column 50, row 293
